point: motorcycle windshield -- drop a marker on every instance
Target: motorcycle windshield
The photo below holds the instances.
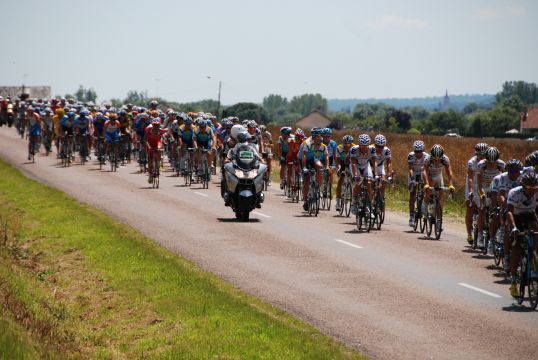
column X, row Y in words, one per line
column 245, row 159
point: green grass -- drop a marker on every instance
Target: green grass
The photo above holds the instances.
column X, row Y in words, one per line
column 84, row 285
column 15, row 343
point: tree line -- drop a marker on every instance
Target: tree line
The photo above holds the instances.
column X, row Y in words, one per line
column 474, row 119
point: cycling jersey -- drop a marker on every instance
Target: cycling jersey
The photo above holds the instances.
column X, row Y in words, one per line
column 48, row 122
column 187, row 135
column 293, row 150
column 488, row 173
column 67, row 124
column 343, row 154
column 521, row 203
column 363, row 160
column 417, row 163
column 82, row 123
column 267, row 139
column 174, row 127
column 203, row 136
column 472, row 165
column 385, row 154
column 502, row 182
column 154, row 139
column 34, row 125
column 284, row 144
column 99, row 125
column 314, row 152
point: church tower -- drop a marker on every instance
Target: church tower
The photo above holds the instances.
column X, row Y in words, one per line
column 446, row 101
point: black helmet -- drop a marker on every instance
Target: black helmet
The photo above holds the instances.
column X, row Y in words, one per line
column 513, row 165
column 532, row 159
column 529, row 179
column 492, row 154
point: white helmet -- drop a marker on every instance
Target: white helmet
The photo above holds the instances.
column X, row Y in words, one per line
column 236, row 129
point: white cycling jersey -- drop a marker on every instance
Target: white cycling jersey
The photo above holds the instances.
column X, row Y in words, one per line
column 381, row 157
column 472, row 165
column 174, row 126
column 435, row 170
column 363, row 159
column 417, row 163
column 488, row 173
column 502, row 182
column 521, row 203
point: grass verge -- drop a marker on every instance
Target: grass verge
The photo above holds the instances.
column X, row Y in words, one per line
column 83, row 285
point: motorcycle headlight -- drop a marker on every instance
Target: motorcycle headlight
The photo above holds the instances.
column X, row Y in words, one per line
column 246, row 174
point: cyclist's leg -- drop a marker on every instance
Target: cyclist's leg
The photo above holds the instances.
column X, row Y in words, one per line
column 319, row 172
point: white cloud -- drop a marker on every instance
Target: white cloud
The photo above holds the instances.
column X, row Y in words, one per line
column 499, row 12
column 398, row 22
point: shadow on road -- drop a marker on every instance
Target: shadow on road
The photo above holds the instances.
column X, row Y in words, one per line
column 228, row 220
column 517, row 308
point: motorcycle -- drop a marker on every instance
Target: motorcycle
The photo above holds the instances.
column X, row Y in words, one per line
column 243, row 183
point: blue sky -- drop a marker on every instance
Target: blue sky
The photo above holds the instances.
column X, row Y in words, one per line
column 339, row 48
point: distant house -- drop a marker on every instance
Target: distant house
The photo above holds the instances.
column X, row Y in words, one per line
column 528, row 119
column 314, row 119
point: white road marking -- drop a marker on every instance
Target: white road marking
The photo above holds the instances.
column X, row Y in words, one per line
column 349, row 244
column 259, row 213
column 480, row 290
column 201, row 194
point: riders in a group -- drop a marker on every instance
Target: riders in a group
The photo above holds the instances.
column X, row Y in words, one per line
column 363, row 168
column 204, row 138
column 487, row 169
column 292, row 160
column 343, row 163
column 256, row 135
column 314, row 155
column 186, row 140
column 34, row 129
column 67, row 124
column 521, row 215
column 415, row 162
column 82, row 127
column 432, row 174
column 283, row 141
column 267, row 143
column 154, row 145
column 472, row 200
column 383, row 156
column 112, row 133
column 500, row 186
column 331, row 145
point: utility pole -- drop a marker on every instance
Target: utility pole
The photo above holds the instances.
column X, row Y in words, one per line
column 218, row 101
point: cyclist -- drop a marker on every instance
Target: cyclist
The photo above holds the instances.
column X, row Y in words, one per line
column 112, row 133
column 362, row 156
column 82, row 124
column 415, row 162
column 326, row 134
column 383, row 156
column 343, row 162
column 67, row 124
column 432, row 174
column 471, row 193
column 487, row 169
column 154, row 145
column 125, row 129
column 48, row 127
column 59, row 113
column 521, row 215
column 267, row 141
column 292, row 157
column 204, row 138
column 173, row 135
column 501, row 185
column 283, row 141
column 531, row 162
column 186, row 141
column 252, row 128
column 98, row 132
column 35, row 125
column 313, row 155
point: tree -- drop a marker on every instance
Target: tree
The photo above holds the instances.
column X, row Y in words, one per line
column 91, row 96
column 136, row 98
column 501, row 119
column 403, row 119
column 527, row 92
column 307, row 103
column 276, row 107
column 441, row 122
column 470, row 108
column 85, row 95
column 246, row 110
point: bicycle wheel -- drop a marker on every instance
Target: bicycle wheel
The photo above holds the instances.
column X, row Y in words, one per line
column 347, row 199
column 417, row 217
column 329, row 196
column 317, row 199
column 381, row 210
column 438, row 221
column 367, row 213
column 379, row 217
column 532, row 282
column 522, row 278
column 205, row 179
column 429, row 223
column 323, row 196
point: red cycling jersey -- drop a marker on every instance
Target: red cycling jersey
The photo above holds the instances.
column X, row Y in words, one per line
column 293, row 150
column 154, row 138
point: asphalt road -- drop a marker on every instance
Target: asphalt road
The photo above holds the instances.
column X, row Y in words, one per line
column 389, row 294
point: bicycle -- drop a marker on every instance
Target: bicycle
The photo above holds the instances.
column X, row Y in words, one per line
column 142, row 158
column 313, row 194
column 67, row 150
column 296, row 183
column 156, row 170
column 528, row 269
column 83, row 148
column 434, row 215
column 205, row 176
column 112, row 159
column 34, row 147
column 378, row 205
column 47, row 141
column 326, row 192
column 420, row 219
column 265, row 156
column 363, row 214
column 346, row 194
column 100, row 151
column 188, row 167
